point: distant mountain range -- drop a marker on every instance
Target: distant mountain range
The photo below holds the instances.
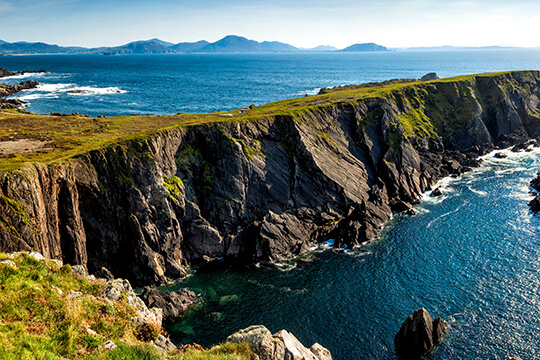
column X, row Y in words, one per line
column 228, row 44
column 365, row 47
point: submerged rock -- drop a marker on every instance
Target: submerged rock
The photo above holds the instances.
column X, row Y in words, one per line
column 418, row 335
column 500, row 155
column 280, row 346
column 173, row 304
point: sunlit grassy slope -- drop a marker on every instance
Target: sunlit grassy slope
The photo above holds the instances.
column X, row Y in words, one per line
column 70, row 136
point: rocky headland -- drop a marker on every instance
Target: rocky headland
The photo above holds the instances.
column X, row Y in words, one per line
column 265, row 186
column 6, row 90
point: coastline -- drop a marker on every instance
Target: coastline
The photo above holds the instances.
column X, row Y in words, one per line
column 176, row 163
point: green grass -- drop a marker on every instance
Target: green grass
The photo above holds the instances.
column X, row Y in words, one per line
column 37, row 322
column 71, row 136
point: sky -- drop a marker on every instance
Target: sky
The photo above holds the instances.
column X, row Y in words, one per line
column 302, row 23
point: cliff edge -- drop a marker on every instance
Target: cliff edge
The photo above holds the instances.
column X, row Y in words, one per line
column 265, row 185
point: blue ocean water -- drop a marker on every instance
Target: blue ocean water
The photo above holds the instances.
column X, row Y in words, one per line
column 195, row 83
column 471, row 257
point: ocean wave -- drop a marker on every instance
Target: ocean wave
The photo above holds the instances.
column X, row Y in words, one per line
column 446, row 214
column 52, row 91
column 479, row 192
column 24, row 76
column 308, row 92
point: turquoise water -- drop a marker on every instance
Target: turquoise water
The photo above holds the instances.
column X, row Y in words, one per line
column 168, row 84
column 471, row 257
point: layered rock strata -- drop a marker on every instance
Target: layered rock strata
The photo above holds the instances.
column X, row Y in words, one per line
column 267, row 189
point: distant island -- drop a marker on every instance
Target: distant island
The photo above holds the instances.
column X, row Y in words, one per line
column 229, row 44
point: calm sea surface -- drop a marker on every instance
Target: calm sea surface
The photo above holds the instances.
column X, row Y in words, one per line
column 169, row 84
column 471, row 257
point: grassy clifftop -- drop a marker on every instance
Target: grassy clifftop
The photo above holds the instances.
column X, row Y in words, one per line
column 430, row 109
column 46, row 312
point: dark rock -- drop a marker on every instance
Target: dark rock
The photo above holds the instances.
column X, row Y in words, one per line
column 430, row 76
column 500, row 155
column 5, row 72
column 261, row 190
column 436, row 192
column 534, row 204
column 173, row 304
column 454, row 167
column 104, row 273
column 535, row 183
column 411, row 212
column 439, row 329
column 6, row 90
column 11, row 103
column 418, row 335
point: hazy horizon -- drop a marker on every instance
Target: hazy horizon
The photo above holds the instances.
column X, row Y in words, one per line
column 301, row 23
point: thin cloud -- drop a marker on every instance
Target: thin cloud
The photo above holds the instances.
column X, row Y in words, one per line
column 5, row 6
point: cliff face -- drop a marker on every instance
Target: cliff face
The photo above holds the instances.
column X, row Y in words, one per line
column 261, row 190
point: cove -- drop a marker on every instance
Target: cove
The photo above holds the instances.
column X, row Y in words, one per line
column 470, row 256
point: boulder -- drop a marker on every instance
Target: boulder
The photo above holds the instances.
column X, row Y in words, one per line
column 164, row 344
column 430, row 76
column 36, row 256
column 104, row 273
column 436, row 192
column 109, row 345
column 114, row 288
column 8, row 263
column 280, row 346
column 79, row 269
column 173, row 304
column 418, row 335
column 5, row 72
column 535, row 183
column 534, row 204
column 500, row 155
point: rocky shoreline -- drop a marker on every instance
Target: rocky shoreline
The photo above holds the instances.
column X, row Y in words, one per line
column 264, row 190
column 6, row 90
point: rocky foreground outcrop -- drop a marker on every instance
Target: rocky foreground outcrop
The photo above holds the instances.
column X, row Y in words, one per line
column 267, row 189
column 6, row 90
column 418, row 335
column 280, row 346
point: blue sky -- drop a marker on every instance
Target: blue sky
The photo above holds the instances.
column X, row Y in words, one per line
column 301, row 23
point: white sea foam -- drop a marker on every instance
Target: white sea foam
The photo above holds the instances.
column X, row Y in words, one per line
column 479, row 192
column 446, row 214
column 309, row 92
column 53, row 91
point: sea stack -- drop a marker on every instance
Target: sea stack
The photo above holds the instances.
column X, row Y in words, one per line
column 418, row 335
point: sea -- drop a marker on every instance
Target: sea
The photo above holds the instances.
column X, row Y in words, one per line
column 471, row 256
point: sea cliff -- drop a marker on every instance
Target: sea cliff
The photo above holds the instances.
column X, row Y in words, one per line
column 266, row 185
